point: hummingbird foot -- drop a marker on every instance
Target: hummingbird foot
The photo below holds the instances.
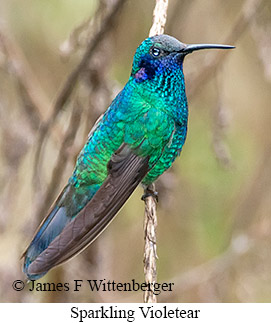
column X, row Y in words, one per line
column 149, row 192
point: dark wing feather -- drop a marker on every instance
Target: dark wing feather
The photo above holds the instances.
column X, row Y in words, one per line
column 126, row 170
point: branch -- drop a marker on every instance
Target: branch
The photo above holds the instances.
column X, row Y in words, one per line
column 159, row 18
column 208, row 272
column 241, row 244
column 150, row 255
column 150, row 221
column 34, row 100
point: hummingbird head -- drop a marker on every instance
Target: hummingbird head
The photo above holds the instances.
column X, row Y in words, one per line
column 163, row 54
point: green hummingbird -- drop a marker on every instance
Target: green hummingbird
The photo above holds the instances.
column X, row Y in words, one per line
column 134, row 141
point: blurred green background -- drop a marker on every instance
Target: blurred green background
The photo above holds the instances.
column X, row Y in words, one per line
column 214, row 204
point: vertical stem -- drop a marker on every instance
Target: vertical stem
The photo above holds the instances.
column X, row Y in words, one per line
column 159, row 18
column 150, row 221
column 150, row 255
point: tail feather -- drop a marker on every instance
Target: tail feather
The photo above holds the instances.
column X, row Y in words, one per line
column 61, row 214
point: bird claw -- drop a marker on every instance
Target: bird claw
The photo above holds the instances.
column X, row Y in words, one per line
column 148, row 193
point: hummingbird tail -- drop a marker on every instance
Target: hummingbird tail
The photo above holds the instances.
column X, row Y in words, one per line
column 59, row 216
column 125, row 172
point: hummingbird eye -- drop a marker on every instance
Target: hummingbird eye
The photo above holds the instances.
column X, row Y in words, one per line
column 156, row 52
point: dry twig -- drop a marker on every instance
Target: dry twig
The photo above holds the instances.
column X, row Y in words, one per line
column 207, row 272
column 150, row 254
column 70, row 82
column 81, row 35
column 19, row 67
column 220, row 124
column 150, row 222
column 34, row 100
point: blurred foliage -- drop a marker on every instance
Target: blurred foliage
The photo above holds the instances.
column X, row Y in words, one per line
column 214, row 211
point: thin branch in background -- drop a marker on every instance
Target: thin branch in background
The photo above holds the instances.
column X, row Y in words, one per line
column 18, row 66
column 70, row 45
column 81, row 35
column 13, row 147
column 261, row 31
column 150, row 217
column 258, row 190
column 28, row 85
column 34, row 100
column 220, row 124
column 33, row 117
column 70, row 82
column 212, row 270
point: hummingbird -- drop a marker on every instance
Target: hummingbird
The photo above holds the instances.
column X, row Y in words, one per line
column 135, row 141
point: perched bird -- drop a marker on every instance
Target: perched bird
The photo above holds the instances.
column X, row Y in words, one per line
column 134, row 141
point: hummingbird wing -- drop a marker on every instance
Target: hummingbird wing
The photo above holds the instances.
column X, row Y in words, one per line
column 125, row 171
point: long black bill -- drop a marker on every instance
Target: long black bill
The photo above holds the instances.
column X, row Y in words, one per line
column 191, row 48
